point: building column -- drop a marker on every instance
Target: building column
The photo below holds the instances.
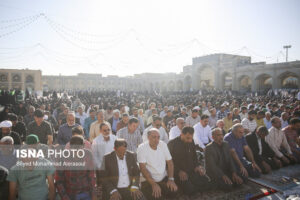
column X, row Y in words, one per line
column 254, row 84
column 275, row 81
column 217, row 80
column 234, row 82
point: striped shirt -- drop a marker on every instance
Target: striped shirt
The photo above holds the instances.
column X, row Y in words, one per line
column 133, row 139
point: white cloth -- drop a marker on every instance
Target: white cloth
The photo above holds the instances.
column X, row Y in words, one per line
column 298, row 96
column 259, row 145
column 155, row 160
column 100, row 147
column 123, row 181
column 174, row 132
column 162, row 132
column 202, row 135
column 6, row 124
column 243, row 116
column 276, row 139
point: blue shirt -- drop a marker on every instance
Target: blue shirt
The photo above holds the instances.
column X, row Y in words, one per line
column 87, row 123
column 8, row 161
column 65, row 133
column 114, row 124
column 236, row 143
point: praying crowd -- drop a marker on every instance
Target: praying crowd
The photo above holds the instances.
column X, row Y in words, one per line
column 146, row 145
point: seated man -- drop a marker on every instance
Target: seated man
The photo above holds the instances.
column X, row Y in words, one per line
column 238, row 145
column 219, row 163
column 77, row 182
column 263, row 155
column 291, row 133
column 122, row 174
column 189, row 175
column 153, row 157
column 202, row 134
column 249, row 123
column 278, row 143
column 176, row 130
column 157, row 123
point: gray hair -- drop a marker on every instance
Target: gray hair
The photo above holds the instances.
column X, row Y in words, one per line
column 220, row 120
column 71, row 113
column 268, row 113
column 215, row 130
column 152, row 130
column 100, row 111
column 7, row 139
column 236, row 127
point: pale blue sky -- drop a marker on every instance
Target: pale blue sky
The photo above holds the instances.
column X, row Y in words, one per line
column 135, row 36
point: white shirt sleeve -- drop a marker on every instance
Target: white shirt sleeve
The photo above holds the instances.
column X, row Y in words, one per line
column 210, row 134
column 165, row 137
column 197, row 140
column 166, row 152
column 96, row 155
column 145, row 135
column 172, row 134
column 141, row 155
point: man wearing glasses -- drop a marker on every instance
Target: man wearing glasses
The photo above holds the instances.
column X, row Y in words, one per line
column 157, row 123
column 102, row 144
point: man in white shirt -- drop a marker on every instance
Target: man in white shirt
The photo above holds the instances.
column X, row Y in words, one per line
column 157, row 168
column 122, row 174
column 102, row 144
column 243, row 113
column 278, row 143
column 283, row 119
column 176, row 130
column 81, row 115
column 249, row 124
column 193, row 119
column 157, row 123
column 202, row 135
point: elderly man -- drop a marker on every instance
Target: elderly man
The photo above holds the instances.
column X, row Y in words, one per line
column 95, row 126
column 157, row 123
column 202, row 134
column 249, row 123
column 157, row 168
column 88, row 121
column 102, row 144
column 81, row 115
column 193, row 119
column 41, row 128
column 176, row 130
column 239, row 146
column 267, row 120
column 220, row 125
column 219, row 163
column 284, row 119
column 131, row 134
column 278, row 143
column 263, row 155
column 7, row 152
column 114, row 121
column 189, row 174
column 122, row 174
column 291, row 133
column 6, row 131
column 65, row 130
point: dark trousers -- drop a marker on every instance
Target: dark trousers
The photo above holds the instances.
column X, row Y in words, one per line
column 248, row 166
column 218, row 182
column 165, row 191
column 269, row 161
column 124, row 192
column 195, row 183
column 284, row 152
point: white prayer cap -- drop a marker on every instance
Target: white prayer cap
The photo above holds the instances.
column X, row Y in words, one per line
column 6, row 124
column 116, row 111
column 196, row 108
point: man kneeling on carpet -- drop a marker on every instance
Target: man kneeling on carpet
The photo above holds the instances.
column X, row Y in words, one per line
column 219, row 163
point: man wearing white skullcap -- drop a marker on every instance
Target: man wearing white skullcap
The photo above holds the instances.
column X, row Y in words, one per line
column 6, row 131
